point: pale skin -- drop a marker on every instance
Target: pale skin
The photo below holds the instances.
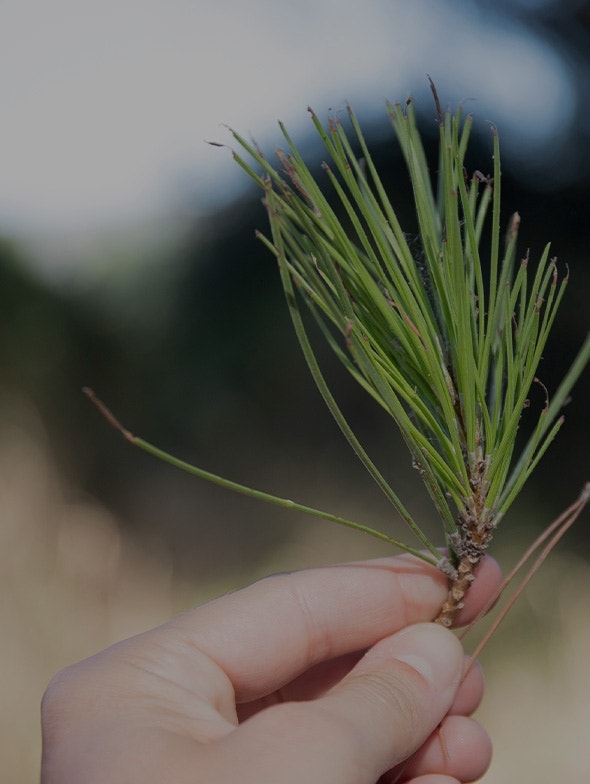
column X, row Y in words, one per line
column 326, row 676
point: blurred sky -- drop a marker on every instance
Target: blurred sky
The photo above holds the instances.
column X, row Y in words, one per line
column 107, row 105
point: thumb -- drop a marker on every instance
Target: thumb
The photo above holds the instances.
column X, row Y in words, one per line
column 398, row 694
column 375, row 718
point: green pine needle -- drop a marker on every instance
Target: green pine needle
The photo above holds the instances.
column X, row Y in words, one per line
column 447, row 341
column 446, row 334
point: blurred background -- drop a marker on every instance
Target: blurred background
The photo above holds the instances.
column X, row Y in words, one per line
column 128, row 263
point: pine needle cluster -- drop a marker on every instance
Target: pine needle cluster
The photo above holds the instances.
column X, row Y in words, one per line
column 445, row 333
column 447, row 338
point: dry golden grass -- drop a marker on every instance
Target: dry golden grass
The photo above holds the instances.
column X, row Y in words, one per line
column 70, row 584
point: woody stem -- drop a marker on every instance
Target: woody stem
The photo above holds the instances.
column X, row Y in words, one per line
column 457, row 590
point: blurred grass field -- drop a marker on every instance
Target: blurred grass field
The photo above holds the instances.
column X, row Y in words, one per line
column 72, row 583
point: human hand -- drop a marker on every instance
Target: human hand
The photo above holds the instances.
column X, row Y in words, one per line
column 330, row 675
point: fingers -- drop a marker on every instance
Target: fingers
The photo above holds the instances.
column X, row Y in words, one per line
column 315, row 682
column 470, row 692
column 381, row 713
column 460, row 748
column 267, row 634
column 310, row 685
column 435, row 778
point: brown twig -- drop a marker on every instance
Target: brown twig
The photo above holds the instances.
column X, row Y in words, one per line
column 554, row 533
column 108, row 414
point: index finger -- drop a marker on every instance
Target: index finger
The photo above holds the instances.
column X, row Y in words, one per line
column 265, row 635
